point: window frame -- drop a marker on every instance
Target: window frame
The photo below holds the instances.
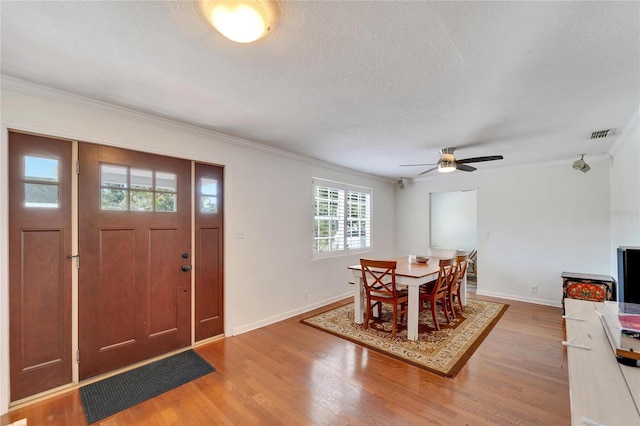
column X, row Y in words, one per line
column 40, row 181
column 155, row 190
column 344, row 218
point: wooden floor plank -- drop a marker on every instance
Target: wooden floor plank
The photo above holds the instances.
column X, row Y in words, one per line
column 292, row 374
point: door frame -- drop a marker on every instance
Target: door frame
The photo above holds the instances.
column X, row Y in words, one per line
column 5, row 128
column 4, row 270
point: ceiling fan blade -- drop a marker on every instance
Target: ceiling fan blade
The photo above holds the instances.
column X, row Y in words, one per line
column 479, row 159
column 427, row 171
column 465, row 168
column 421, row 164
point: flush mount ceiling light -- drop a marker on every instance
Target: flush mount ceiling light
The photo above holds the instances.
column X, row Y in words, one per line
column 581, row 165
column 242, row 21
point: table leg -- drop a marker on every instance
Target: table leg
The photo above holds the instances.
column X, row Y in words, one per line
column 463, row 292
column 358, row 302
column 412, row 314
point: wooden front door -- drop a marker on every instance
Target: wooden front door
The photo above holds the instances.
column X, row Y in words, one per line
column 39, row 267
column 209, row 258
column 134, row 277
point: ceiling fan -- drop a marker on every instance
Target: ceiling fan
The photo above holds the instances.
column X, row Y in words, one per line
column 448, row 162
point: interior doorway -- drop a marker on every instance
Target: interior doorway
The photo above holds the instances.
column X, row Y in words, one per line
column 453, row 219
column 453, row 223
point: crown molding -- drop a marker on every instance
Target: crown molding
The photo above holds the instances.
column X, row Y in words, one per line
column 28, row 88
column 632, row 124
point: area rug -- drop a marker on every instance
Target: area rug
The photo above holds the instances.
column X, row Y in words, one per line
column 441, row 352
column 111, row 395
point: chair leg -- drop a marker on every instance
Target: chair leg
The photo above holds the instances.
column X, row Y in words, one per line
column 445, row 310
column 460, row 300
column 450, row 305
column 434, row 306
column 377, row 305
column 394, row 320
column 403, row 307
column 367, row 315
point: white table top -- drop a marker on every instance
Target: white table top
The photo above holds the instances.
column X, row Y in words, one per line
column 602, row 391
column 412, row 270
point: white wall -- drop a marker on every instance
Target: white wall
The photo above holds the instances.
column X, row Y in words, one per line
column 625, row 190
column 268, row 195
column 453, row 220
column 541, row 221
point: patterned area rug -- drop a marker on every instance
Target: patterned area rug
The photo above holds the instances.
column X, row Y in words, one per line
column 441, row 352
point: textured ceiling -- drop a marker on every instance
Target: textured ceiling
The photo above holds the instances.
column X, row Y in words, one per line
column 366, row 85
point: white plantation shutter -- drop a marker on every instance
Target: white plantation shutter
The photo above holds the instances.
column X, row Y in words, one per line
column 341, row 218
column 358, row 220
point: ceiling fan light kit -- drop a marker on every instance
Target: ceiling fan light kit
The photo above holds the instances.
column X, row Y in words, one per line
column 448, row 162
column 242, row 21
column 446, row 166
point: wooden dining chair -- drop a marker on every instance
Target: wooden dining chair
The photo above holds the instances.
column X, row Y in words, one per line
column 472, row 261
column 438, row 291
column 455, row 284
column 379, row 280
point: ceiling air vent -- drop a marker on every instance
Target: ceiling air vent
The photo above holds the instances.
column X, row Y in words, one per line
column 602, row 133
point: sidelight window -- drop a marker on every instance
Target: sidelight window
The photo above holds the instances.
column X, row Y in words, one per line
column 132, row 189
column 208, row 195
column 41, row 182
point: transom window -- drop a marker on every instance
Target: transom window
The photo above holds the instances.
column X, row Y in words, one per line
column 132, row 189
column 341, row 218
column 41, row 182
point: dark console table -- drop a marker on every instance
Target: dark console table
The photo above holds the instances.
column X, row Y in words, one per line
column 596, row 288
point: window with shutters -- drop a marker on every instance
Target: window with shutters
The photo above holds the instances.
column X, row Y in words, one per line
column 341, row 219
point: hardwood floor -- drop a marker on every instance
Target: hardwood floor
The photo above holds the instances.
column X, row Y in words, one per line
column 292, row 374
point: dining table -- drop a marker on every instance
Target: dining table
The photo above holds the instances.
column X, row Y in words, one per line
column 411, row 274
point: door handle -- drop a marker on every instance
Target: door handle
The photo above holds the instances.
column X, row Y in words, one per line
column 186, row 268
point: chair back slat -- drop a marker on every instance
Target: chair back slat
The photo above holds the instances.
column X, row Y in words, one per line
column 461, row 269
column 379, row 276
column 473, row 254
column 445, row 276
column 379, row 281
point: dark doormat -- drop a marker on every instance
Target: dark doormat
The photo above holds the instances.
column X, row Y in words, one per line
column 111, row 395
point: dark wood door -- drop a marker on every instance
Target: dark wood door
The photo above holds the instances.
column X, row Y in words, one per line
column 134, row 222
column 39, row 268
column 209, row 257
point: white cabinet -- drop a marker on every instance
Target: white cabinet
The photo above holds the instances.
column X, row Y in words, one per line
column 603, row 392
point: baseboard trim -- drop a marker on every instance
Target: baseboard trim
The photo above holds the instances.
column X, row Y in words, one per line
column 289, row 314
column 536, row 301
